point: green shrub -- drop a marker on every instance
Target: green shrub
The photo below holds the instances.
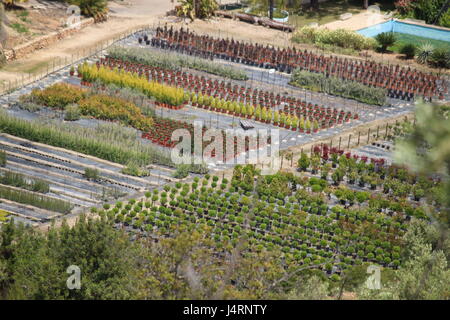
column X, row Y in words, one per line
column 91, row 8
column 385, row 40
column 440, row 58
column 344, row 88
column 72, row 113
column 133, row 169
column 444, row 21
column 91, row 174
column 409, row 50
column 424, row 53
column 182, row 171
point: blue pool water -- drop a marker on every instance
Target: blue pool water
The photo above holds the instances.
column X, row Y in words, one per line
column 406, row 28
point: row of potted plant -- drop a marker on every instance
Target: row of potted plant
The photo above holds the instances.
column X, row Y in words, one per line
column 225, row 91
column 165, row 95
column 377, row 75
column 98, row 106
column 223, row 207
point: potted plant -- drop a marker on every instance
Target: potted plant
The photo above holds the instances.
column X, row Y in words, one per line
column 308, row 126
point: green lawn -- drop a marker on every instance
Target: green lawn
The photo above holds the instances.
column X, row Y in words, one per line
column 406, row 38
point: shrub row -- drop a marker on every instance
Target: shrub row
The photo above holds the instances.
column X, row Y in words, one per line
column 18, row 180
column 35, row 200
column 108, row 142
column 335, row 86
column 174, row 62
column 103, row 107
column 340, row 37
column 160, row 92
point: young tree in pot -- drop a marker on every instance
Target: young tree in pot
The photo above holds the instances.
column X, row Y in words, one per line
column 315, row 163
column 315, row 126
column 325, row 169
column 303, row 162
column 352, row 176
column 308, row 126
column 302, row 124
column 334, row 159
column 361, row 197
column 418, row 193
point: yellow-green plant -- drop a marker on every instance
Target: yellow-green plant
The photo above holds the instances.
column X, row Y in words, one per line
column 162, row 93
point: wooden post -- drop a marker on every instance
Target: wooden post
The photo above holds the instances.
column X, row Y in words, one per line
column 349, row 138
column 340, row 139
column 378, row 130
column 368, row 135
column 385, row 135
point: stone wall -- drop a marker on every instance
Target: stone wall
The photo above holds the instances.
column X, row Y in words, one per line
column 44, row 41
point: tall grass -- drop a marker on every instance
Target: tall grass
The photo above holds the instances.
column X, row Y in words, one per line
column 2, row 158
column 18, row 180
column 110, row 142
column 174, row 62
column 35, row 200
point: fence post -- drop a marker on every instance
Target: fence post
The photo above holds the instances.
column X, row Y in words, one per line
column 349, row 138
column 385, row 135
column 368, row 135
column 359, row 137
column 378, row 129
column 340, row 139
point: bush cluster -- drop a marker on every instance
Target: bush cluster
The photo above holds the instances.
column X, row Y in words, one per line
column 340, row 38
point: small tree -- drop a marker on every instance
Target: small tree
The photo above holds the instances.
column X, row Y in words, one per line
column 303, row 162
column 409, row 50
column 385, row 40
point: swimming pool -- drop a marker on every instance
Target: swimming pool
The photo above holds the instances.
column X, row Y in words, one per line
column 406, row 28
